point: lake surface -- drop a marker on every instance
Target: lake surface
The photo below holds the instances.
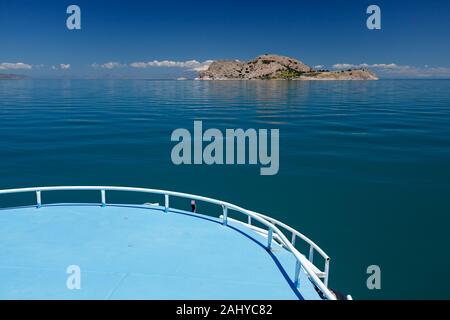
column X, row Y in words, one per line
column 364, row 166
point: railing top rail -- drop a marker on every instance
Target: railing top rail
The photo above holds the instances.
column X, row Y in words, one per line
column 265, row 220
column 297, row 233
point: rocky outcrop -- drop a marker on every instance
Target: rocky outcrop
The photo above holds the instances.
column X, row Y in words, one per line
column 356, row 74
column 275, row 67
column 7, row 76
column 223, row 70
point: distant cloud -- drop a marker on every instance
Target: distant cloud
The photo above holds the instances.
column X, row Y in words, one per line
column 202, row 66
column 13, row 66
column 64, row 66
column 319, row 66
column 193, row 65
column 108, row 65
column 387, row 66
column 343, row 66
column 365, row 65
column 420, row 72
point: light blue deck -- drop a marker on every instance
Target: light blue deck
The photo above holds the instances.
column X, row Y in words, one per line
column 129, row 252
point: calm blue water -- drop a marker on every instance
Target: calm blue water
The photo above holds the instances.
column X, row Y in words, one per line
column 364, row 166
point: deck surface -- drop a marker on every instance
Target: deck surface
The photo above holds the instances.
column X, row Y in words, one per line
column 127, row 252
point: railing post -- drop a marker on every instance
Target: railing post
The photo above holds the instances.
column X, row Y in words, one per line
column 249, row 220
column 311, row 254
column 293, row 239
column 327, row 271
column 269, row 239
column 103, row 192
column 166, row 203
column 38, row 199
column 297, row 273
column 225, row 215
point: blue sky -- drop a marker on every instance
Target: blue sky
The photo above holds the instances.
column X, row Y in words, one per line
column 117, row 35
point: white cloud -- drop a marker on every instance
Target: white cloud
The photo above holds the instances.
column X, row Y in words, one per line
column 319, row 66
column 343, row 66
column 387, row 66
column 365, row 65
column 420, row 72
column 64, row 66
column 108, row 65
column 111, row 65
column 193, row 65
column 13, row 66
column 202, row 66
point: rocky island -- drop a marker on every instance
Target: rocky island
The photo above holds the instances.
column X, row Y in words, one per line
column 6, row 76
column 275, row 67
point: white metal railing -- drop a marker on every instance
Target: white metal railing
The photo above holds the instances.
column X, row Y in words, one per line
column 312, row 247
column 271, row 224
